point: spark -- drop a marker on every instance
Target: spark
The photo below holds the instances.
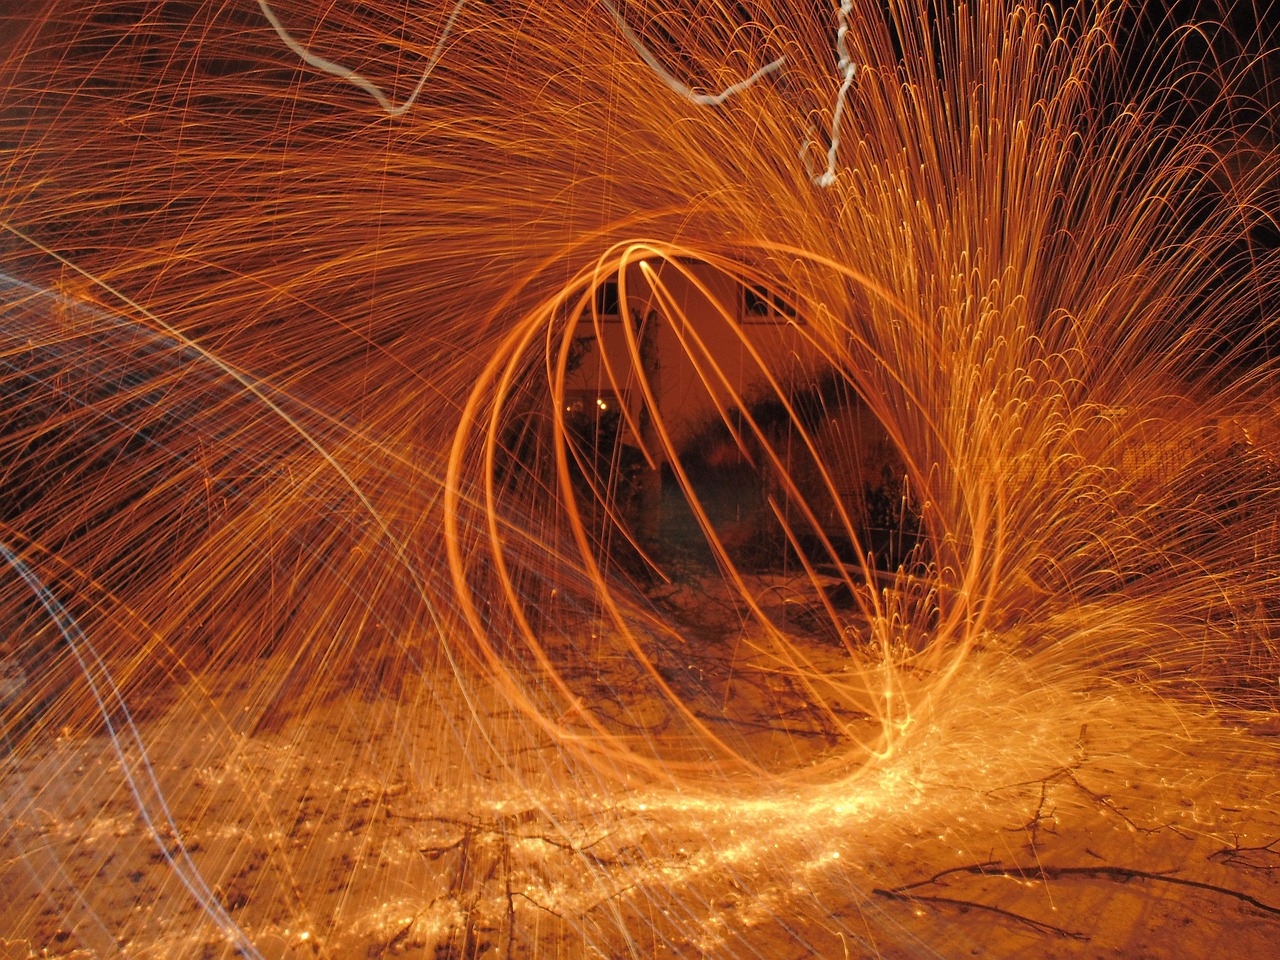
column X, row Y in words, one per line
column 547, row 515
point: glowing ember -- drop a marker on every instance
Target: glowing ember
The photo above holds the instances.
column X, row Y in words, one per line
column 604, row 480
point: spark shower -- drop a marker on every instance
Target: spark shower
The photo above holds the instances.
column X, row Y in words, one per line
column 328, row 630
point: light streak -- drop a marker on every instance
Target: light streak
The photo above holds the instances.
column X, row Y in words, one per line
column 663, row 74
column 146, row 791
column 354, row 78
column 848, row 73
column 530, row 518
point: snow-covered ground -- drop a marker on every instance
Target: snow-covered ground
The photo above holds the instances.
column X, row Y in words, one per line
column 1016, row 816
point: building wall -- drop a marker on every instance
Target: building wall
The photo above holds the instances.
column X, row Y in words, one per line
column 708, row 328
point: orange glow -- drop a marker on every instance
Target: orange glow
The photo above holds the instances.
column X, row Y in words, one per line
column 590, row 479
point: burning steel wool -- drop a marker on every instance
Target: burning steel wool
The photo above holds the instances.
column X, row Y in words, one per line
column 602, row 479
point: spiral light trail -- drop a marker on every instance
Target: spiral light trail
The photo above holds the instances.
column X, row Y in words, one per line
column 598, row 479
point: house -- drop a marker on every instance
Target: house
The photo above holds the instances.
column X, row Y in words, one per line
column 746, row 416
